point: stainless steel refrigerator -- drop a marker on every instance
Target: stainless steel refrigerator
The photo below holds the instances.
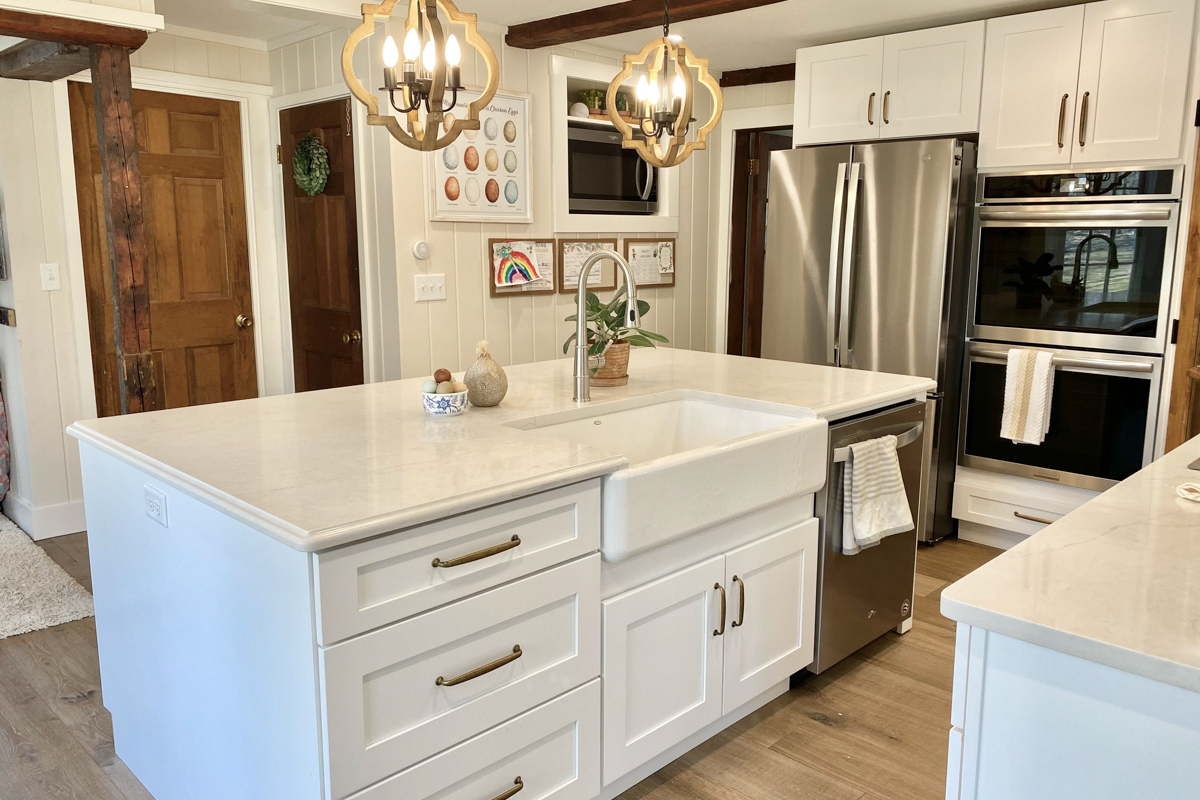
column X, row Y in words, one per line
column 865, row 269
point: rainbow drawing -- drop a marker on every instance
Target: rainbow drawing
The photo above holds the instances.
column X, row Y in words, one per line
column 513, row 265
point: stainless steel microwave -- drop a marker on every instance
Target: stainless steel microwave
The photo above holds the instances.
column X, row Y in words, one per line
column 605, row 178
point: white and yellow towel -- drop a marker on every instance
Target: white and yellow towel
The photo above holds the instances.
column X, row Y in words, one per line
column 1028, row 389
column 874, row 504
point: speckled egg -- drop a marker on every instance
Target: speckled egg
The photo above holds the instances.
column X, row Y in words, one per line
column 510, row 161
column 490, row 129
column 491, row 159
column 472, row 190
column 450, row 157
column 471, row 158
column 510, row 131
column 452, row 188
column 492, row 190
column 510, row 192
column 447, row 122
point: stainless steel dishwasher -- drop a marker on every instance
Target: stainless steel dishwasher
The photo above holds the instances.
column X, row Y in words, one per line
column 862, row 597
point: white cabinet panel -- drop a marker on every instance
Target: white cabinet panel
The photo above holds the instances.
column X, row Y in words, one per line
column 772, row 611
column 1031, row 63
column 931, row 81
column 662, row 665
column 387, row 701
column 838, row 94
column 1133, row 76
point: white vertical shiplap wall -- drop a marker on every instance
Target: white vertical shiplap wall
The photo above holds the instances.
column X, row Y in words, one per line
column 523, row 328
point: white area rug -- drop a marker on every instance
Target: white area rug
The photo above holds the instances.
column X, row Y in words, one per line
column 35, row 592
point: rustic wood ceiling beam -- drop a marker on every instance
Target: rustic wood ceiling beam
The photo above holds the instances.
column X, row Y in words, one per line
column 633, row 15
column 755, row 75
column 43, row 61
column 47, row 28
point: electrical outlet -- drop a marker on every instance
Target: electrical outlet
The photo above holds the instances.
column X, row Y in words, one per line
column 430, row 287
column 156, row 505
column 51, row 281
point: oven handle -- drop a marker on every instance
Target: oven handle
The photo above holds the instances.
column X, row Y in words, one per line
column 1086, row 363
column 1080, row 214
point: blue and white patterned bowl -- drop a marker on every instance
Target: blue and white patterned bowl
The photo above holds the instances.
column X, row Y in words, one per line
column 444, row 405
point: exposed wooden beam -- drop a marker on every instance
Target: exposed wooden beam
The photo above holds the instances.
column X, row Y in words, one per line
column 633, row 15
column 122, row 190
column 755, row 75
column 46, row 28
column 32, row 60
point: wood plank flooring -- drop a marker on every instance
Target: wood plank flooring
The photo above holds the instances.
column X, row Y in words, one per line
column 872, row 728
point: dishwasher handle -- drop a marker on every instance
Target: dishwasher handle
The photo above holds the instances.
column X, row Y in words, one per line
column 842, row 454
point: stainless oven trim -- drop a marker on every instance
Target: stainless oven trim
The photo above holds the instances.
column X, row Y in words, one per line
column 1091, row 341
column 997, row 354
column 1176, row 187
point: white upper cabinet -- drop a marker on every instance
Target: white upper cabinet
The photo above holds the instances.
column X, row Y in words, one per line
column 838, row 92
column 1102, row 82
column 922, row 83
column 931, row 81
column 1133, row 76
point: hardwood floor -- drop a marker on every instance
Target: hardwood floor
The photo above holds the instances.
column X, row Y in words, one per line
column 872, row 728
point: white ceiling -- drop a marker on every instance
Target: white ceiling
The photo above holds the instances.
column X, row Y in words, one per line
column 245, row 18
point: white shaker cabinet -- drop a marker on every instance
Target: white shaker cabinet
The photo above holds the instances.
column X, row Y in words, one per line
column 1133, row 78
column 838, row 89
column 921, row 83
column 1086, row 84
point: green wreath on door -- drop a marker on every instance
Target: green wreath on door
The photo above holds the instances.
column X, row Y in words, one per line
column 310, row 165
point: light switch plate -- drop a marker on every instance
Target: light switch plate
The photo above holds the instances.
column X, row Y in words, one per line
column 429, row 287
column 51, row 280
column 156, row 505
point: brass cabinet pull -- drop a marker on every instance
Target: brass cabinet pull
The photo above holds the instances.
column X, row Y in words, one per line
column 478, row 554
column 484, row 670
column 518, row 787
column 1062, row 119
column 1019, row 515
column 720, row 631
column 741, row 620
column 886, row 95
column 871, row 109
column 1083, row 118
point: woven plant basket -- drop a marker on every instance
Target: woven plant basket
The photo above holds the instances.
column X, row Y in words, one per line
column 615, row 371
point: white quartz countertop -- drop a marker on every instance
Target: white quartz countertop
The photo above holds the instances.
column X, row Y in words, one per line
column 1117, row 581
column 322, row 469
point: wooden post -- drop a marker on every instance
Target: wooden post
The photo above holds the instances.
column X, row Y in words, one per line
column 122, row 189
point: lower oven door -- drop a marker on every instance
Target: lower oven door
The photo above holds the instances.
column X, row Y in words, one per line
column 1102, row 418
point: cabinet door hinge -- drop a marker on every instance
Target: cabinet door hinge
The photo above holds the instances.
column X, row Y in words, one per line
column 279, row 153
column 1174, row 331
column 754, row 166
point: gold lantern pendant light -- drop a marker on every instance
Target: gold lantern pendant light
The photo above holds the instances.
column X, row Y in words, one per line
column 665, row 95
column 427, row 85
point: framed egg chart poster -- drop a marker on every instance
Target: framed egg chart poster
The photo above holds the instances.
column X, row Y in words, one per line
column 484, row 175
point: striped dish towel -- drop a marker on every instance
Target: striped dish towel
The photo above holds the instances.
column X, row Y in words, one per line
column 874, row 504
column 1028, row 389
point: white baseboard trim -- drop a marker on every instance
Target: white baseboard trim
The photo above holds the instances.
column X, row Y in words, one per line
column 985, row 534
column 45, row 522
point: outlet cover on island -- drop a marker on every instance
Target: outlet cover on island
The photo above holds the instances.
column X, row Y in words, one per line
column 51, row 281
column 156, row 505
column 429, row 287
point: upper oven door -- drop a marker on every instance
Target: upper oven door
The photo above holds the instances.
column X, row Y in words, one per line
column 1084, row 275
column 605, row 178
column 1103, row 413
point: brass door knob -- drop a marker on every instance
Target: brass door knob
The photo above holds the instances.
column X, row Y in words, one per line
column 353, row 337
column 243, row 321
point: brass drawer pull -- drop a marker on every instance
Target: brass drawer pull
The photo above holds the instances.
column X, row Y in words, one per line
column 478, row 554
column 720, row 631
column 886, row 95
column 741, row 620
column 1083, row 118
column 484, row 670
column 1062, row 118
column 520, row 784
column 1019, row 515
column 871, row 109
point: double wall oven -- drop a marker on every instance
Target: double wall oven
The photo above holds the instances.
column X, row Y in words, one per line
column 1080, row 264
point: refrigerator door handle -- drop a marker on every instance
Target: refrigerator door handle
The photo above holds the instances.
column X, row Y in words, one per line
column 847, row 267
column 835, row 246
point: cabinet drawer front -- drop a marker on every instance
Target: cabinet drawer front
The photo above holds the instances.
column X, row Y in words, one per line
column 400, row 694
column 1009, row 511
column 554, row 750
column 368, row 585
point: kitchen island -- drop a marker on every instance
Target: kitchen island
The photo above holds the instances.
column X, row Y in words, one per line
column 332, row 594
column 1077, row 665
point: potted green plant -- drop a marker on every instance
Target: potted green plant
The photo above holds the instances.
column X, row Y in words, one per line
column 608, row 337
column 592, row 98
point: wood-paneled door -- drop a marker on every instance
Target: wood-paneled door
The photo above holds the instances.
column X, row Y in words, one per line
column 322, row 246
column 193, row 200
